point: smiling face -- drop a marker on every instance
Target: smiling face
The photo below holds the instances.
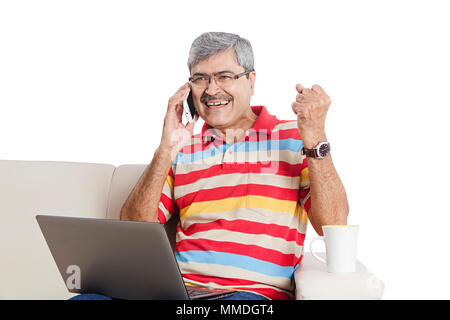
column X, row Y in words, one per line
column 224, row 107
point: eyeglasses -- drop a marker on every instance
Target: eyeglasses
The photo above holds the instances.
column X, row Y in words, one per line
column 222, row 79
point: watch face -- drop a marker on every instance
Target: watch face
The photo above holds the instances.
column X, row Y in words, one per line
column 324, row 150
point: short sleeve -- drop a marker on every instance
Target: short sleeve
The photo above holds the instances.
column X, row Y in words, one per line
column 167, row 206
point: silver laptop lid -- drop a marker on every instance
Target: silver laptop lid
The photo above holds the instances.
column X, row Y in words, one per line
column 119, row 259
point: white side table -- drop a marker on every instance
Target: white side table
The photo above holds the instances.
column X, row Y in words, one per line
column 313, row 282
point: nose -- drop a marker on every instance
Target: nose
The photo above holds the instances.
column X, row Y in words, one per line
column 212, row 88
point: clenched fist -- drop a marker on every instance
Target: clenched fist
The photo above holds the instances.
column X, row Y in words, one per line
column 311, row 107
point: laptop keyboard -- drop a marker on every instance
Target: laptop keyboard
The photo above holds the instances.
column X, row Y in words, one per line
column 196, row 292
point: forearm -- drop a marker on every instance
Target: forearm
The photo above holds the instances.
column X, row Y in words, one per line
column 142, row 203
column 329, row 204
column 328, row 199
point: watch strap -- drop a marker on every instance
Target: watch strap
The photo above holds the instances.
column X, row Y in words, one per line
column 309, row 153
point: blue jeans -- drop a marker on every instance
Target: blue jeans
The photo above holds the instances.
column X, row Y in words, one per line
column 240, row 295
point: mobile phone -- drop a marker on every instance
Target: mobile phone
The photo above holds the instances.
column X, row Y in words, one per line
column 189, row 108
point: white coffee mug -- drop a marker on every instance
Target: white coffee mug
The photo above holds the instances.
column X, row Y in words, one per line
column 340, row 242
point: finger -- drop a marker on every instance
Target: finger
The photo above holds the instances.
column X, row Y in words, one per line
column 182, row 91
column 297, row 107
column 318, row 89
column 299, row 88
column 179, row 97
column 184, row 86
column 300, row 97
column 301, row 111
column 179, row 112
column 306, row 91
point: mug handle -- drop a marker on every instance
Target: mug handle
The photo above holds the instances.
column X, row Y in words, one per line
column 312, row 251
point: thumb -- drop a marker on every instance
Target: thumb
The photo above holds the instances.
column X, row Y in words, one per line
column 299, row 88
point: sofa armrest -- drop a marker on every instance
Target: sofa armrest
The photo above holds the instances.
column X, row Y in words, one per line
column 313, row 282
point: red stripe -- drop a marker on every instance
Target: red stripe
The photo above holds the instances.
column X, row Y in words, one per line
column 220, row 281
column 275, row 135
column 171, row 172
column 271, row 293
column 275, row 167
column 307, row 205
column 167, row 202
column 305, row 163
column 249, row 227
column 234, row 282
column 220, row 193
column 300, row 259
column 279, row 134
column 161, row 216
column 302, row 194
column 254, row 251
column 192, row 148
column 286, row 134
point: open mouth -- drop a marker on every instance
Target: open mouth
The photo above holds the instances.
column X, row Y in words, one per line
column 217, row 104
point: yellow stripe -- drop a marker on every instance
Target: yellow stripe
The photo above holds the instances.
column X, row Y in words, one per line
column 304, row 215
column 252, row 201
column 304, row 175
column 191, row 284
column 169, row 181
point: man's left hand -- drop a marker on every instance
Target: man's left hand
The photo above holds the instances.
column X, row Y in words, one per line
column 311, row 107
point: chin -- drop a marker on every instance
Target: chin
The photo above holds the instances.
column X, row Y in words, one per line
column 217, row 122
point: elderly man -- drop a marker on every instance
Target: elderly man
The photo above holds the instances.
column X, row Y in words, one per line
column 246, row 186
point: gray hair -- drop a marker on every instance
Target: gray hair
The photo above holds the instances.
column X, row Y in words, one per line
column 210, row 43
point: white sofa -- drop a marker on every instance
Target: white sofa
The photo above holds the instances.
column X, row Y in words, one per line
column 27, row 188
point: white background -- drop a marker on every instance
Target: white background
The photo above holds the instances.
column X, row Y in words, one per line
column 90, row 80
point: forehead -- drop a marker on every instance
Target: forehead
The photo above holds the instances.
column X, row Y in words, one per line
column 222, row 60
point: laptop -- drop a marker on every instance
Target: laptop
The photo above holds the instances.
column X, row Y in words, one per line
column 119, row 259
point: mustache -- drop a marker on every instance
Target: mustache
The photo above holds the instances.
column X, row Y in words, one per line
column 206, row 97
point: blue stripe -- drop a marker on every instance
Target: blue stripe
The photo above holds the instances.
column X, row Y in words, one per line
column 235, row 260
column 293, row 145
column 183, row 158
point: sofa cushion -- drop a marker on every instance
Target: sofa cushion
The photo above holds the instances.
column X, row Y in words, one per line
column 28, row 188
column 124, row 179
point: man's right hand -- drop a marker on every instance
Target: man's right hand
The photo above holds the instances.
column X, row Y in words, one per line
column 175, row 134
column 143, row 202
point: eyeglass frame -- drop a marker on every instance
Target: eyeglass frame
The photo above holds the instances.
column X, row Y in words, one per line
column 236, row 76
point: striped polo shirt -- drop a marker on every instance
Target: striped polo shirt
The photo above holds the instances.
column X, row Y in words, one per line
column 243, row 207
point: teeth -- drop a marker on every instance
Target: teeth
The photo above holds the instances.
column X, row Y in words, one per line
column 217, row 103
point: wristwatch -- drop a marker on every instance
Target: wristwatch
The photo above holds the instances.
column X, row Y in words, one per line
column 321, row 151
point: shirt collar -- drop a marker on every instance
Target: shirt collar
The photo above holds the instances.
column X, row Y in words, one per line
column 263, row 125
